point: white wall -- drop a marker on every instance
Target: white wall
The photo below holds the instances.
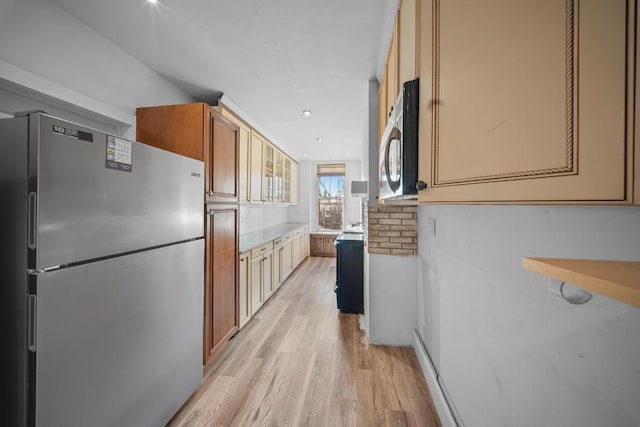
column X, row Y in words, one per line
column 301, row 211
column 255, row 217
column 47, row 55
column 509, row 350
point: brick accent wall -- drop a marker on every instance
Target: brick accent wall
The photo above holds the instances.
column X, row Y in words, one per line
column 392, row 230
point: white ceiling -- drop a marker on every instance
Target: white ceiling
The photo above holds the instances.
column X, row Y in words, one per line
column 272, row 58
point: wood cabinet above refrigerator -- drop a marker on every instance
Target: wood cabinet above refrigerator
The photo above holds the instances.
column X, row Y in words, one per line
column 200, row 132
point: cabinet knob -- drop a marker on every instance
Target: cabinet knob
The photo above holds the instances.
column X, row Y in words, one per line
column 421, row 185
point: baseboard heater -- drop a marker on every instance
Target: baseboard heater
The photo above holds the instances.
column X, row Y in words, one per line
column 441, row 399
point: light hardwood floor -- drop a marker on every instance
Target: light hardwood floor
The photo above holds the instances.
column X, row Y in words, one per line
column 299, row 362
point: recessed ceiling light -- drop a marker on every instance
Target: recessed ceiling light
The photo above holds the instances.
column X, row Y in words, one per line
column 319, row 139
column 304, row 155
column 306, row 112
column 347, row 154
column 152, row 1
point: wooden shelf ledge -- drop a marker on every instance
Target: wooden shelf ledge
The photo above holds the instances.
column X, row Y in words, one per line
column 619, row 280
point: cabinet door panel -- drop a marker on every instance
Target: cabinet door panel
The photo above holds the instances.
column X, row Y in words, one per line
column 244, row 289
column 382, row 106
column 285, row 261
column 244, row 141
column 392, row 70
column 221, row 317
column 294, row 183
column 509, row 117
column 223, row 158
column 407, row 41
column 275, row 277
column 256, row 284
column 267, row 275
column 255, row 183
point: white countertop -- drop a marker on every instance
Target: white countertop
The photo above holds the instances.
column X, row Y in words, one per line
column 254, row 239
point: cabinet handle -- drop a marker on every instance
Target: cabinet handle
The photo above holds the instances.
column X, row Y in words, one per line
column 210, row 193
column 263, row 249
column 421, row 185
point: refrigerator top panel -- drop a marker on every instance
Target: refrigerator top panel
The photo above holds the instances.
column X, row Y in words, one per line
column 99, row 195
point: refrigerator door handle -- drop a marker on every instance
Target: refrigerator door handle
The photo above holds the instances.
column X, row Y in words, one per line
column 33, row 220
column 32, row 339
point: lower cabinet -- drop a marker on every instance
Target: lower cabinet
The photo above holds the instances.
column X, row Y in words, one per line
column 296, row 250
column 244, row 288
column 300, row 248
column 220, row 290
column 261, row 275
column 263, row 269
column 277, row 264
column 285, row 258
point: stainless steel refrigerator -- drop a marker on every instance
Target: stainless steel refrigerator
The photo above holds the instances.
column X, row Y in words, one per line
column 101, row 258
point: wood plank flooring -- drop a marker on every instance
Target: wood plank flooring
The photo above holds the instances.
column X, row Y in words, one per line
column 300, row 362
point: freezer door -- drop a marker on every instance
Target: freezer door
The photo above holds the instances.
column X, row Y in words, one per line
column 119, row 342
column 98, row 195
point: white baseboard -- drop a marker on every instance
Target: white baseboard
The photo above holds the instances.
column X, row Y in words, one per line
column 431, row 376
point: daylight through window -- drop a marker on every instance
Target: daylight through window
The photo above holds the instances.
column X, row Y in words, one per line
column 331, row 196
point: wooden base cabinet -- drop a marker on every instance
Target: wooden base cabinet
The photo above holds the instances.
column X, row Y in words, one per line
column 542, row 117
column 285, row 260
column 284, row 257
column 221, row 282
column 300, row 246
column 198, row 131
column 244, row 289
column 261, row 276
column 277, row 263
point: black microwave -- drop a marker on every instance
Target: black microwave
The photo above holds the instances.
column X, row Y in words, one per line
column 398, row 156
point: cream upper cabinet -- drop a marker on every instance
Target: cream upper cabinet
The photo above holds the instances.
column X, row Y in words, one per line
column 407, row 41
column 255, row 163
column 286, row 179
column 244, row 137
column 267, row 172
column 278, row 177
column 382, row 107
column 401, row 62
column 391, row 72
column 294, row 183
column 526, row 101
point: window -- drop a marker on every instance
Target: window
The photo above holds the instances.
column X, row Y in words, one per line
column 331, row 196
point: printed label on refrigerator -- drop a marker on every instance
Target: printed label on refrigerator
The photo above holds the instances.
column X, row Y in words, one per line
column 118, row 154
column 73, row 133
